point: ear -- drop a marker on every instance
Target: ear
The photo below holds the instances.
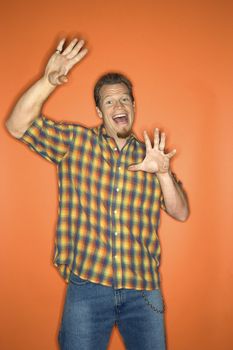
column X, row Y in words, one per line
column 99, row 112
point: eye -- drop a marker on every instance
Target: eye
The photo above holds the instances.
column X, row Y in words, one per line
column 108, row 102
column 126, row 99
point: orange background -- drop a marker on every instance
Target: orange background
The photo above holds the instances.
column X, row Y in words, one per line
column 179, row 55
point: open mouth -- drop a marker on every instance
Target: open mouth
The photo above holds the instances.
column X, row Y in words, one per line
column 120, row 118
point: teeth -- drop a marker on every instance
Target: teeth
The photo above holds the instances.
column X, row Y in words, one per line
column 119, row 116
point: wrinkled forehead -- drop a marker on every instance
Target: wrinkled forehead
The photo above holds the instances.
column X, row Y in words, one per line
column 113, row 90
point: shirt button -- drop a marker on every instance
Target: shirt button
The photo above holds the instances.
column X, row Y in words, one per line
column 115, row 149
column 116, row 233
column 117, row 189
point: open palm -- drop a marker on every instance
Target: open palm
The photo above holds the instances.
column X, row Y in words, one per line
column 155, row 161
column 62, row 61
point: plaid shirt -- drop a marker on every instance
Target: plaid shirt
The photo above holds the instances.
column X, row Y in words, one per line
column 108, row 216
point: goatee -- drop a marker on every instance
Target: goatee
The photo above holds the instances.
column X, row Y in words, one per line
column 124, row 133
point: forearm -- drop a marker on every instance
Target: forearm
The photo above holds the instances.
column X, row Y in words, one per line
column 28, row 107
column 175, row 199
column 30, row 104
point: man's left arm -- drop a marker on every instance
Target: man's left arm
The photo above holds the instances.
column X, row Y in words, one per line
column 156, row 161
column 175, row 199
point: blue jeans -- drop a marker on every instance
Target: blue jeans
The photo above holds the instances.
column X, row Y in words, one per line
column 91, row 311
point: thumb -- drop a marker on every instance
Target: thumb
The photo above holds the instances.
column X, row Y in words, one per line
column 63, row 79
column 135, row 167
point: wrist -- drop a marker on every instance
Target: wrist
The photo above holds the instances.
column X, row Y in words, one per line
column 47, row 85
column 43, row 90
column 164, row 175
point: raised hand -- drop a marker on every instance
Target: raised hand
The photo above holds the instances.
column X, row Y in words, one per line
column 63, row 60
column 156, row 161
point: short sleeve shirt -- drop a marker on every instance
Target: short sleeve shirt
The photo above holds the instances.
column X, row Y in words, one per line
column 107, row 227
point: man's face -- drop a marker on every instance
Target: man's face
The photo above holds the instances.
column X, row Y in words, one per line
column 116, row 109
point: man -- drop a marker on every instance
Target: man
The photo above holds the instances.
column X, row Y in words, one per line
column 111, row 188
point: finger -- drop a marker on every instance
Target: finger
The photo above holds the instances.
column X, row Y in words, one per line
column 135, row 167
column 60, row 45
column 76, row 49
column 52, row 77
column 70, row 47
column 171, row 154
column 147, row 141
column 156, row 138
column 162, row 142
column 77, row 58
column 63, row 79
column 55, row 79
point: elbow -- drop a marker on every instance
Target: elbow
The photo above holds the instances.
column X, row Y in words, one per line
column 181, row 216
column 9, row 128
column 12, row 131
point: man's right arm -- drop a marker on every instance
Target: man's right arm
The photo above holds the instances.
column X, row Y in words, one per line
column 30, row 104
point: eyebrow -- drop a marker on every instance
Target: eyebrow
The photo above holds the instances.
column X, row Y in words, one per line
column 107, row 96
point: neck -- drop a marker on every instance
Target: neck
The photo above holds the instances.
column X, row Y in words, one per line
column 120, row 142
column 119, row 139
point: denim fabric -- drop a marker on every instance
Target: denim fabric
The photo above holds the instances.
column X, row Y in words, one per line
column 92, row 310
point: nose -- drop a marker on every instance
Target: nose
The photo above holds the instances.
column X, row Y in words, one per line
column 118, row 104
